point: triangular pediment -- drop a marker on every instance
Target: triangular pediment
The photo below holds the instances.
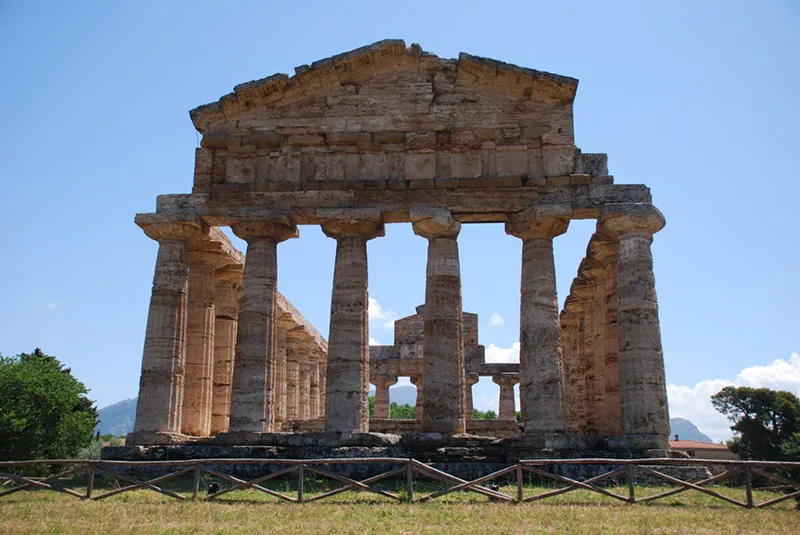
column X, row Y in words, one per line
column 390, row 87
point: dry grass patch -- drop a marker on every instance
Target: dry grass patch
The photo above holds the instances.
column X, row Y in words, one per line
column 249, row 512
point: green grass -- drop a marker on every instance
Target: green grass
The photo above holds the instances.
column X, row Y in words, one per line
column 248, row 511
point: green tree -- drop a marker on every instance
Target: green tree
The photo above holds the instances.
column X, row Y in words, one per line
column 371, row 405
column 44, row 411
column 765, row 422
column 401, row 412
column 480, row 415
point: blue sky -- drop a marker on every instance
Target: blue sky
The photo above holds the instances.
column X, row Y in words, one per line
column 698, row 100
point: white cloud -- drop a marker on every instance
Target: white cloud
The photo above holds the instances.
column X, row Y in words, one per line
column 486, row 402
column 373, row 342
column 385, row 316
column 694, row 402
column 53, row 304
column 502, row 354
column 496, row 319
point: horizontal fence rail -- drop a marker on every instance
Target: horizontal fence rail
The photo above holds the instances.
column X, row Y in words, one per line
column 405, row 470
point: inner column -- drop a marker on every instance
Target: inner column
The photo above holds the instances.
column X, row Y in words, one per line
column 443, row 345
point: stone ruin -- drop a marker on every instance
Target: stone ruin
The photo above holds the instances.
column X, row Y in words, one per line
column 389, row 134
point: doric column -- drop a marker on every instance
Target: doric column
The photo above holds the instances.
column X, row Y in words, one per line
column 604, row 249
column 322, row 370
column 303, row 391
column 255, row 340
column 199, row 370
column 417, row 381
column 279, row 382
column 161, row 381
column 541, row 367
column 292, row 381
column 443, row 344
column 469, row 381
column 382, row 382
column 642, row 387
column 506, row 381
column 347, row 388
column 228, row 286
column 313, row 390
column 591, row 372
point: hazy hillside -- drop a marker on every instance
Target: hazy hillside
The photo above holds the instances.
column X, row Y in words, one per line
column 117, row 419
column 686, row 430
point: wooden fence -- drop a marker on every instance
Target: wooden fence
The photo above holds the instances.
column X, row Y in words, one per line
column 407, row 470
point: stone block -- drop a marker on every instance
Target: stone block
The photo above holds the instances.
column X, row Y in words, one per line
column 592, row 164
column 464, row 139
column 389, row 137
column 443, row 164
column 420, row 183
column 241, row 170
column 420, row 140
column 512, row 161
column 266, row 139
column 579, row 179
column 285, row 167
column 465, row 164
column 420, row 165
column 486, row 134
column 322, row 167
column 535, row 163
column 203, row 165
column 558, row 181
column 374, row 165
column 352, row 166
column 305, row 140
column 262, row 169
column 447, row 183
column 347, row 138
column 558, row 161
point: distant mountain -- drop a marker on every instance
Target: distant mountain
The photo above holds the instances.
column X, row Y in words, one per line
column 117, row 419
column 686, row 430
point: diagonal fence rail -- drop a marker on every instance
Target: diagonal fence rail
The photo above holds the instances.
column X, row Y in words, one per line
column 406, row 471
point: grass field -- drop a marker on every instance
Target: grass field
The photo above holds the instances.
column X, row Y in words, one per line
column 250, row 512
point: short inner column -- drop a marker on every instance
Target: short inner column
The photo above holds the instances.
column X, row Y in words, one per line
column 508, row 409
column 229, row 284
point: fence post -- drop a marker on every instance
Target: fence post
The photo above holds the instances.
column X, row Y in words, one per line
column 89, row 482
column 748, row 482
column 519, row 483
column 197, row 472
column 629, row 475
column 410, row 480
column 301, row 476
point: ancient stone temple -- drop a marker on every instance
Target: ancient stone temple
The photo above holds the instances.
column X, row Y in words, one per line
column 389, row 134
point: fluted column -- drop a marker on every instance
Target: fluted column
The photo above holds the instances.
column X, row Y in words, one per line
column 642, row 386
column 303, row 391
column 251, row 396
column 228, row 286
column 469, row 381
column 382, row 382
column 347, row 385
column 313, row 390
column 199, row 370
column 417, row 381
column 292, row 381
column 161, row 381
column 541, row 366
column 279, row 383
column 591, row 370
column 506, row 381
column 443, row 344
column 322, row 371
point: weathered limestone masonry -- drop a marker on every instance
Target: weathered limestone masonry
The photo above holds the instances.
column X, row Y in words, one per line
column 195, row 306
column 391, row 134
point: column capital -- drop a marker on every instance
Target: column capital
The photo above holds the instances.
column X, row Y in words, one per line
column 433, row 222
column 363, row 223
column 582, row 289
column 383, row 379
column 472, row 378
column 171, row 227
column 232, row 273
column 591, row 269
column 539, row 222
column 602, row 247
column 209, row 258
column 630, row 219
column 276, row 228
column 506, row 379
column 416, row 380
